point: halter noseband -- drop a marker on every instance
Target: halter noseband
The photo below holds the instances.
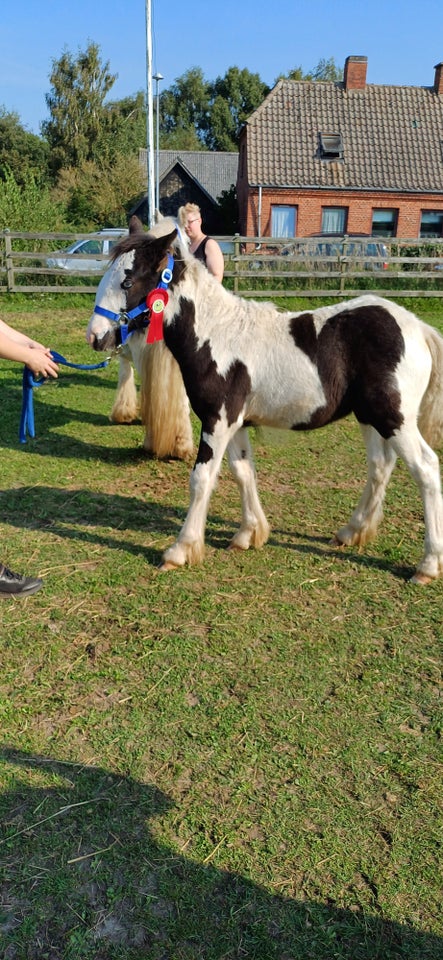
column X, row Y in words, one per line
column 124, row 317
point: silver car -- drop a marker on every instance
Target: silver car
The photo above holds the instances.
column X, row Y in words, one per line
column 366, row 252
column 89, row 255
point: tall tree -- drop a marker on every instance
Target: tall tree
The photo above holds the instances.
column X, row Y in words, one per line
column 123, row 128
column 325, row 70
column 76, row 106
column 21, row 152
column 184, row 110
column 29, row 205
column 97, row 195
column 233, row 98
column 197, row 114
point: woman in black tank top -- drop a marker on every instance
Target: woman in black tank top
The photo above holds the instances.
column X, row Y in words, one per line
column 203, row 248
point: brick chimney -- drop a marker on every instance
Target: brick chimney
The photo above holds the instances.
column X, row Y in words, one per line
column 355, row 73
column 438, row 79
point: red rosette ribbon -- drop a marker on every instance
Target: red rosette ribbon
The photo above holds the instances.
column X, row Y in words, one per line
column 156, row 302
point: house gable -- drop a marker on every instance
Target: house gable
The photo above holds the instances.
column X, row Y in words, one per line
column 194, row 176
column 341, row 138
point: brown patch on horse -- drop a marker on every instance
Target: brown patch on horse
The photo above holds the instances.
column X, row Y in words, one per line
column 207, row 389
column 356, row 353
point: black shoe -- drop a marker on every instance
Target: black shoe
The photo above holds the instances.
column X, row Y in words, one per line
column 14, row 584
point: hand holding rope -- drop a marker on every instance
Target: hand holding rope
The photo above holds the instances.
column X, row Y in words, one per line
column 27, row 424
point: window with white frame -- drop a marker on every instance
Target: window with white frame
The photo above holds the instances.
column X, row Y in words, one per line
column 431, row 223
column 283, row 221
column 333, row 219
column 384, row 223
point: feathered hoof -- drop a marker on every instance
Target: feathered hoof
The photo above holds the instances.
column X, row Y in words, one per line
column 123, row 418
column 421, row 578
column 335, row 542
column 350, row 536
column 183, row 452
column 182, row 553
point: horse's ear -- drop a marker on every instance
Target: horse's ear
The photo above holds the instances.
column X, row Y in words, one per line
column 135, row 225
column 165, row 243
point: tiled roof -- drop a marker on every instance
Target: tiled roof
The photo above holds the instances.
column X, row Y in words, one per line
column 215, row 171
column 392, row 137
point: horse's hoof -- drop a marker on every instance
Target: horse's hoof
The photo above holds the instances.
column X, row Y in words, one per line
column 422, row 579
column 168, row 565
column 335, row 542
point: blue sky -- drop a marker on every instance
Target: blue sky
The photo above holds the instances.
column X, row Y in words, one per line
column 403, row 40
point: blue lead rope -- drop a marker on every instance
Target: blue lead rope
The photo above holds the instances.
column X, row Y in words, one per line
column 27, row 416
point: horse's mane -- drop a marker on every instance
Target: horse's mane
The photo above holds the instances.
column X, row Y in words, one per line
column 137, row 239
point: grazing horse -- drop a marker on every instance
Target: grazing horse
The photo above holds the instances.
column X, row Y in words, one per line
column 246, row 363
column 164, row 405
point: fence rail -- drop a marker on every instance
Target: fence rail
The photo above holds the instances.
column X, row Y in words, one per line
column 254, row 266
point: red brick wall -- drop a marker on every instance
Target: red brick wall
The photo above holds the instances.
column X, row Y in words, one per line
column 309, row 205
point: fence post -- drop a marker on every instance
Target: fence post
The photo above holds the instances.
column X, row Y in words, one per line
column 236, row 260
column 9, row 262
column 343, row 266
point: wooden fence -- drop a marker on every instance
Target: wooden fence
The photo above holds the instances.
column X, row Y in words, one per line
column 258, row 267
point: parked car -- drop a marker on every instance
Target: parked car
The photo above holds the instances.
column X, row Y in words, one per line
column 84, row 254
column 227, row 247
column 366, row 252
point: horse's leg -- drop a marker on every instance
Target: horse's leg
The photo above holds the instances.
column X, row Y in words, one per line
column 254, row 529
column 368, row 513
column 423, row 465
column 125, row 407
column 189, row 547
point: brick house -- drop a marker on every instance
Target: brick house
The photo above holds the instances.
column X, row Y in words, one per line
column 195, row 176
column 348, row 157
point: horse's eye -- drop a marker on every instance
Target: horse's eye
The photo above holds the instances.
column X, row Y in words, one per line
column 127, row 284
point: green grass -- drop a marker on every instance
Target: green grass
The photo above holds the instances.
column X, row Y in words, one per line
column 238, row 760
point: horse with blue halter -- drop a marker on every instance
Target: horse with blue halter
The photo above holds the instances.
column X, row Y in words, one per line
column 164, row 406
column 246, row 363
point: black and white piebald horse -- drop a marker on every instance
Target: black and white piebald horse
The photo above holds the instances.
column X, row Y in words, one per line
column 164, row 405
column 246, row 363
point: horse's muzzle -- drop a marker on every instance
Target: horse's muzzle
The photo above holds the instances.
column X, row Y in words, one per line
column 109, row 341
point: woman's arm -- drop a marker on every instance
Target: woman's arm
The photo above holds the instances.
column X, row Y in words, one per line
column 18, row 337
column 214, row 259
column 24, row 350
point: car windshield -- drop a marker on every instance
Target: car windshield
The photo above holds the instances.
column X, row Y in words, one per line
column 90, row 246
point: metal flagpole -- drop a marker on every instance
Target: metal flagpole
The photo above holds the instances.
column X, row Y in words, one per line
column 149, row 118
column 157, row 77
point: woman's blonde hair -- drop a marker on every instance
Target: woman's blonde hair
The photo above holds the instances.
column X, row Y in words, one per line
column 184, row 212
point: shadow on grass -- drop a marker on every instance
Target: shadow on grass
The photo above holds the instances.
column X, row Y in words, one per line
column 94, row 518
column 66, row 378
column 324, row 547
column 84, row 877
column 64, row 513
column 51, row 417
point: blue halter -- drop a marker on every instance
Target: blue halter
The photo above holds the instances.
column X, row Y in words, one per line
column 125, row 316
column 122, row 318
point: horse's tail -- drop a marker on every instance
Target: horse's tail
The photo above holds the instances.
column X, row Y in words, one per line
column 430, row 417
column 164, row 404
